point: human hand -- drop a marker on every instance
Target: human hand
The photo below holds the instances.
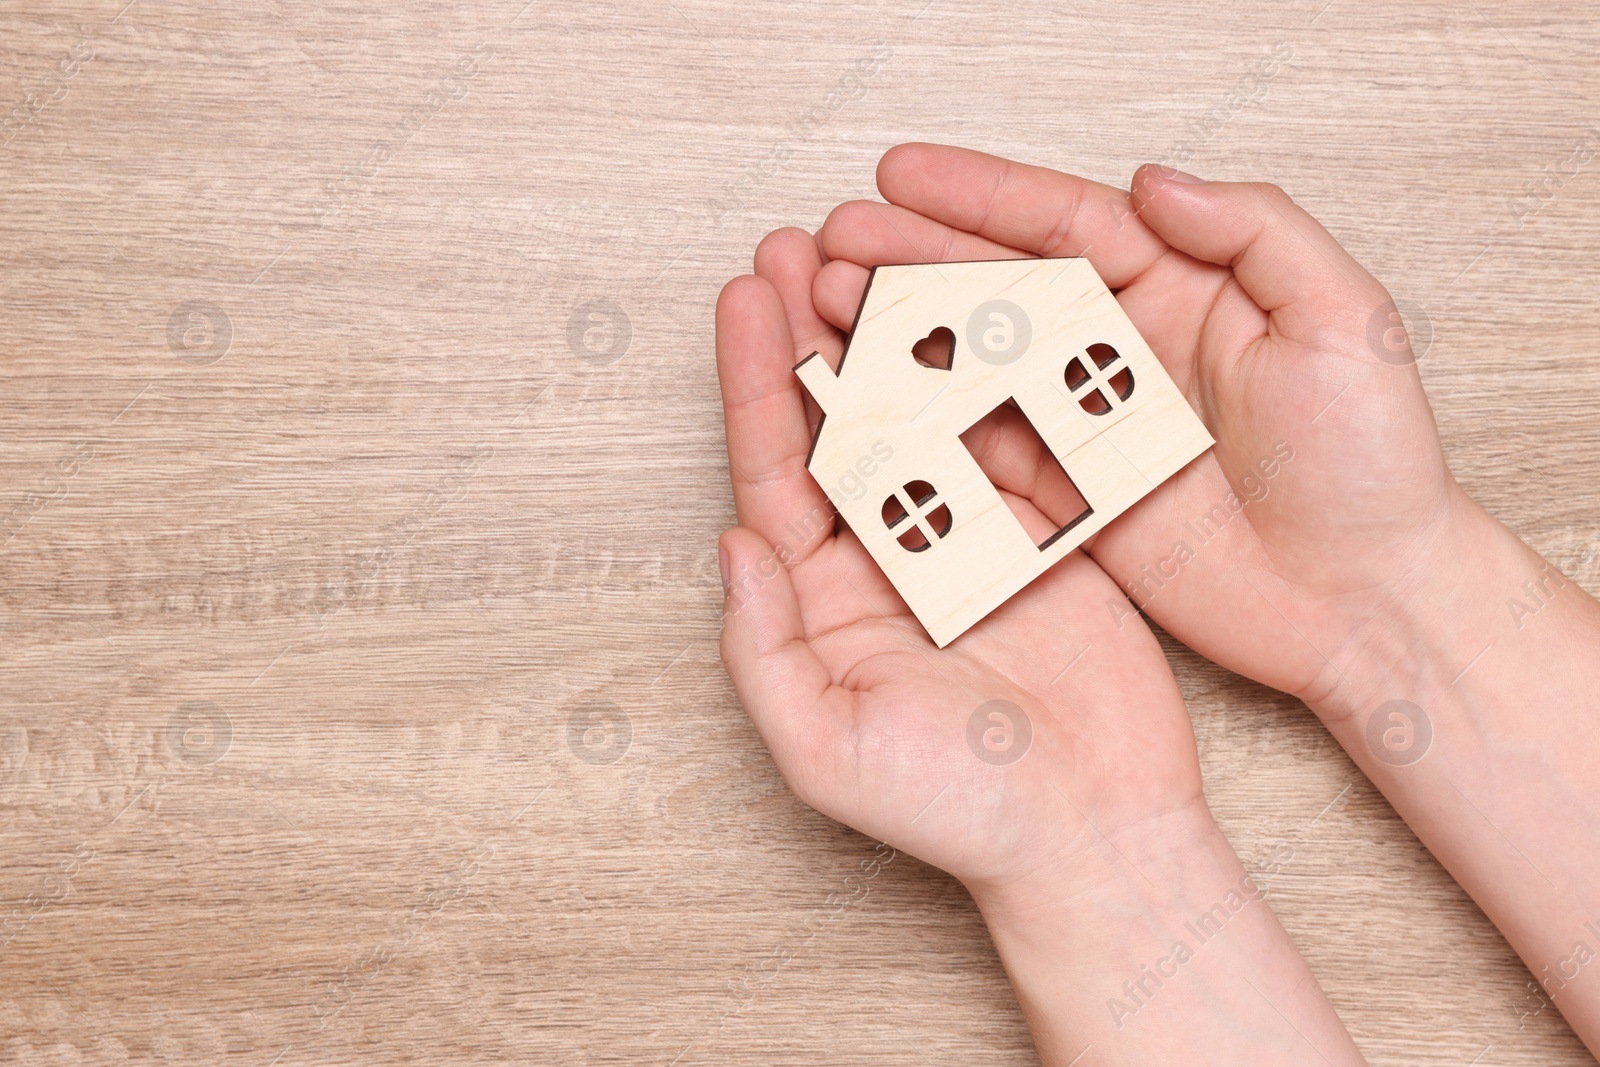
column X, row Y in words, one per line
column 867, row 719
column 1326, row 503
column 1356, row 574
column 1089, row 849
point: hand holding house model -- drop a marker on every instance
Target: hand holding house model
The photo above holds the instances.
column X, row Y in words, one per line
column 1044, row 334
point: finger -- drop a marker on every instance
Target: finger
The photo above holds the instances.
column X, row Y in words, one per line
column 1017, row 462
column 837, row 292
column 768, row 439
column 1182, row 308
column 1035, row 209
column 789, row 259
column 848, row 589
column 787, row 691
column 1282, row 257
column 871, row 234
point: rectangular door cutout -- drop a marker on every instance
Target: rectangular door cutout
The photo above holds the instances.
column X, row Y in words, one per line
column 1027, row 474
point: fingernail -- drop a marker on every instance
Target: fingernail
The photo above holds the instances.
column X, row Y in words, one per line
column 722, row 561
column 1172, row 174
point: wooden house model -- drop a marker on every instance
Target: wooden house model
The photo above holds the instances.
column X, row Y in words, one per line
column 1045, row 334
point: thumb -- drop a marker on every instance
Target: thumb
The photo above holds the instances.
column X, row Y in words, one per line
column 785, row 688
column 1282, row 257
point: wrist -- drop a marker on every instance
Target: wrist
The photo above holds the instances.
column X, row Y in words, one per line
column 1432, row 626
column 1089, row 949
column 1157, row 947
column 1135, row 869
column 1472, row 707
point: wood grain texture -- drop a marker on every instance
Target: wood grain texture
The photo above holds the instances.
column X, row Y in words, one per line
column 361, row 466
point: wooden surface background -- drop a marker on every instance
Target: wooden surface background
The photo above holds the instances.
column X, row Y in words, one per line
column 359, row 688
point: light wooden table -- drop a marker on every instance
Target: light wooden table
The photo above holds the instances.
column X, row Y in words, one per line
column 328, row 512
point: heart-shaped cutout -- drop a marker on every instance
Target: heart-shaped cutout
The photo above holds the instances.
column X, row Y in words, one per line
column 937, row 350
